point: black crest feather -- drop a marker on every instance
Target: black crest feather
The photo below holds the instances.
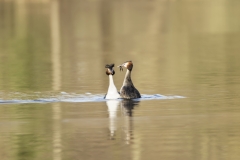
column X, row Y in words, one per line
column 110, row 66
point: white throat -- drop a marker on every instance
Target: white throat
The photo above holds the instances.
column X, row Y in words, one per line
column 112, row 90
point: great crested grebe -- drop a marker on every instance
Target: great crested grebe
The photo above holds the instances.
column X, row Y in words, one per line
column 112, row 90
column 128, row 91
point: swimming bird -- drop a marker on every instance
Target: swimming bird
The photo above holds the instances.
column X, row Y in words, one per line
column 112, row 90
column 128, row 91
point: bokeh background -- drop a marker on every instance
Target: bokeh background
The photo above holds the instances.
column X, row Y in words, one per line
column 178, row 47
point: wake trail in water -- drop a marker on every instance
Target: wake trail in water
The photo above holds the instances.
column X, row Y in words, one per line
column 37, row 97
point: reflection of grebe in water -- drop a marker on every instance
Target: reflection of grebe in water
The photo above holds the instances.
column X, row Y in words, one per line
column 127, row 107
column 128, row 91
column 112, row 90
column 112, row 111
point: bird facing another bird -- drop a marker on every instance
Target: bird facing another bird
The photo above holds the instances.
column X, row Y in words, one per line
column 127, row 91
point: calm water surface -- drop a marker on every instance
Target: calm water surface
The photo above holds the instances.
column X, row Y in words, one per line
column 54, row 50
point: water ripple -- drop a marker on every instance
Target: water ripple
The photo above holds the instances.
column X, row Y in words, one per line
column 18, row 98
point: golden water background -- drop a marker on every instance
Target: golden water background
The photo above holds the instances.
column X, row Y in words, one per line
column 178, row 47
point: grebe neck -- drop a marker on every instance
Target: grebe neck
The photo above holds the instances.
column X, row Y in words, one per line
column 111, row 80
column 112, row 87
column 127, row 79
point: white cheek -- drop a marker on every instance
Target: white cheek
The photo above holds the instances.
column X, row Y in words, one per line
column 125, row 65
column 110, row 71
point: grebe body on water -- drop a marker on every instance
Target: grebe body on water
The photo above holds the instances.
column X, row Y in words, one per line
column 112, row 90
column 128, row 91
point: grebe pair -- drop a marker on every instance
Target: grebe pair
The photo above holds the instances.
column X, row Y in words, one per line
column 127, row 91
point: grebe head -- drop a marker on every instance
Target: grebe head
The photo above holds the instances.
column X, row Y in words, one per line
column 127, row 64
column 110, row 70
